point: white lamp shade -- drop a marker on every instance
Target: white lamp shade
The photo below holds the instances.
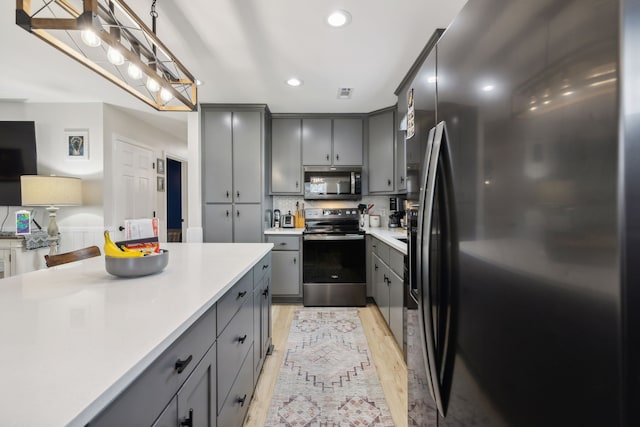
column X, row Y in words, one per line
column 38, row 190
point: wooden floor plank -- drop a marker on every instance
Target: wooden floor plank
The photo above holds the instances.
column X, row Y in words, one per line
column 387, row 357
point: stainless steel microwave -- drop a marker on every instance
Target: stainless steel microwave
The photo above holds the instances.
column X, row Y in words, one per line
column 328, row 182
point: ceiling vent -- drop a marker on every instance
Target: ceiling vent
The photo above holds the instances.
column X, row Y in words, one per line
column 345, row 92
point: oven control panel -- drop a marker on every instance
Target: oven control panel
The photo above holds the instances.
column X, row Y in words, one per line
column 342, row 213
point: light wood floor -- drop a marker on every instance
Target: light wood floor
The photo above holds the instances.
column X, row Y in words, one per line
column 386, row 355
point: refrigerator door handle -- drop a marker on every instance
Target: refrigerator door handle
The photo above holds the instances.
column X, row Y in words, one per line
column 439, row 166
column 423, row 240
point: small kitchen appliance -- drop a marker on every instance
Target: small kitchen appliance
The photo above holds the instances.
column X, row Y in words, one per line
column 276, row 218
column 288, row 220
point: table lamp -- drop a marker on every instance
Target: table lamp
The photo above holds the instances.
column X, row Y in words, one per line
column 51, row 191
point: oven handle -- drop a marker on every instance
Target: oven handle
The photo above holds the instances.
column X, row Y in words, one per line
column 333, row 237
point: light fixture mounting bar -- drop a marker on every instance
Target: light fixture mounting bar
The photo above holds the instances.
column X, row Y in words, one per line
column 117, row 33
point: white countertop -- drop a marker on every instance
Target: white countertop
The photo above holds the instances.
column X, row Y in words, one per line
column 284, row 231
column 73, row 337
column 387, row 235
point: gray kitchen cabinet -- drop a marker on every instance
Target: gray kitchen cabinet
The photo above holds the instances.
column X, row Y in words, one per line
column 286, row 282
column 197, row 397
column 347, row 142
column 336, row 141
column 219, row 223
column 234, row 144
column 381, row 152
column 261, row 313
column 247, row 166
column 169, row 417
column 401, row 162
column 387, row 281
column 316, row 142
column 247, row 223
column 286, row 146
column 217, row 153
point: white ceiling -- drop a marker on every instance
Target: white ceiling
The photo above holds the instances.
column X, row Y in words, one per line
column 244, row 50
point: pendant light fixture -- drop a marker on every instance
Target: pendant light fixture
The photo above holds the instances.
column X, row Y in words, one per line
column 110, row 39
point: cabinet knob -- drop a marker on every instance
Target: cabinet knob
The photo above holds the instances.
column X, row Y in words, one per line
column 182, row 364
column 242, row 400
column 188, row 422
column 242, row 294
column 242, row 339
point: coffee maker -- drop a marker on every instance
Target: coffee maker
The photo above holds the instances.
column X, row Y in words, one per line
column 397, row 211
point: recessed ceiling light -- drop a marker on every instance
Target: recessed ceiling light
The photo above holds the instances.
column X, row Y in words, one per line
column 345, row 92
column 488, row 88
column 339, row 18
column 294, row 81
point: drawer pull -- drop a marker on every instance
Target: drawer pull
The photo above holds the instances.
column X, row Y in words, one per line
column 242, row 400
column 188, row 422
column 182, row 364
column 242, row 294
column 283, row 243
column 265, row 266
column 242, row 339
column 265, row 292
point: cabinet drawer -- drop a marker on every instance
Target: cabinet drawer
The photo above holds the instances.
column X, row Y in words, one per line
column 381, row 249
column 146, row 397
column 229, row 304
column 261, row 269
column 396, row 262
column 233, row 345
column 284, row 243
column 232, row 413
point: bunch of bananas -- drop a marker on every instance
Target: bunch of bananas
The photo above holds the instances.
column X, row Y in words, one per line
column 112, row 250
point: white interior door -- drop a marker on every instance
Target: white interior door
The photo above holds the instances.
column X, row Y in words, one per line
column 134, row 186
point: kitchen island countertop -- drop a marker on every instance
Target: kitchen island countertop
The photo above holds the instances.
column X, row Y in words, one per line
column 74, row 337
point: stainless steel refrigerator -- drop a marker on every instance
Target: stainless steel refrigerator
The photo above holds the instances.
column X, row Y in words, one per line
column 525, row 263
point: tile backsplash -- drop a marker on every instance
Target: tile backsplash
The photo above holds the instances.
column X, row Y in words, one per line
column 288, row 203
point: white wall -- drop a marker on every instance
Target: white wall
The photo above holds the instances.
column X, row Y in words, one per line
column 132, row 127
column 82, row 225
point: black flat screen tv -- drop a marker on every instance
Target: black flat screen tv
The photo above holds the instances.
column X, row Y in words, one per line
column 17, row 157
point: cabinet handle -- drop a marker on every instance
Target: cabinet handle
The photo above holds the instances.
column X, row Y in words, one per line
column 375, row 266
column 402, row 180
column 227, row 194
column 242, row 339
column 238, row 194
column 327, row 157
column 227, row 214
column 283, row 243
column 338, row 157
column 121, row 228
column 265, row 266
column 238, row 213
column 388, row 182
column 242, row 400
column 182, row 364
column 188, row 422
column 297, row 184
column 265, row 292
column 242, row 294
column 295, row 260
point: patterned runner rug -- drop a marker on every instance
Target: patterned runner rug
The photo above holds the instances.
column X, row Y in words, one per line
column 327, row 377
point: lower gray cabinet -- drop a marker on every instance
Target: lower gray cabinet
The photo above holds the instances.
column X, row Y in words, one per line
column 261, row 313
column 286, row 272
column 381, row 286
column 197, row 397
column 169, row 417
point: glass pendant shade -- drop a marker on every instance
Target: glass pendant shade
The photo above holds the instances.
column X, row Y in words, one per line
column 90, row 38
column 134, row 71
column 152, row 85
column 165, row 95
column 114, row 56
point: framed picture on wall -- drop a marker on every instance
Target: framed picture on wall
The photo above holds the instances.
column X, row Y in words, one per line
column 160, row 163
column 77, row 143
column 160, row 183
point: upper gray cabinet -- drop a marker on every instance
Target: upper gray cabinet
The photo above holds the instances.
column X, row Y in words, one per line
column 217, row 150
column 316, row 142
column 347, row 142
column 381, row 151
column 246, row 157
column 286, row 171
column 336, row 142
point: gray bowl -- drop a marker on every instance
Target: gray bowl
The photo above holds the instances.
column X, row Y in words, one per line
column 139, row 266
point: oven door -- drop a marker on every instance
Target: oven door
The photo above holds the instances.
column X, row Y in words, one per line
column 334, row 270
